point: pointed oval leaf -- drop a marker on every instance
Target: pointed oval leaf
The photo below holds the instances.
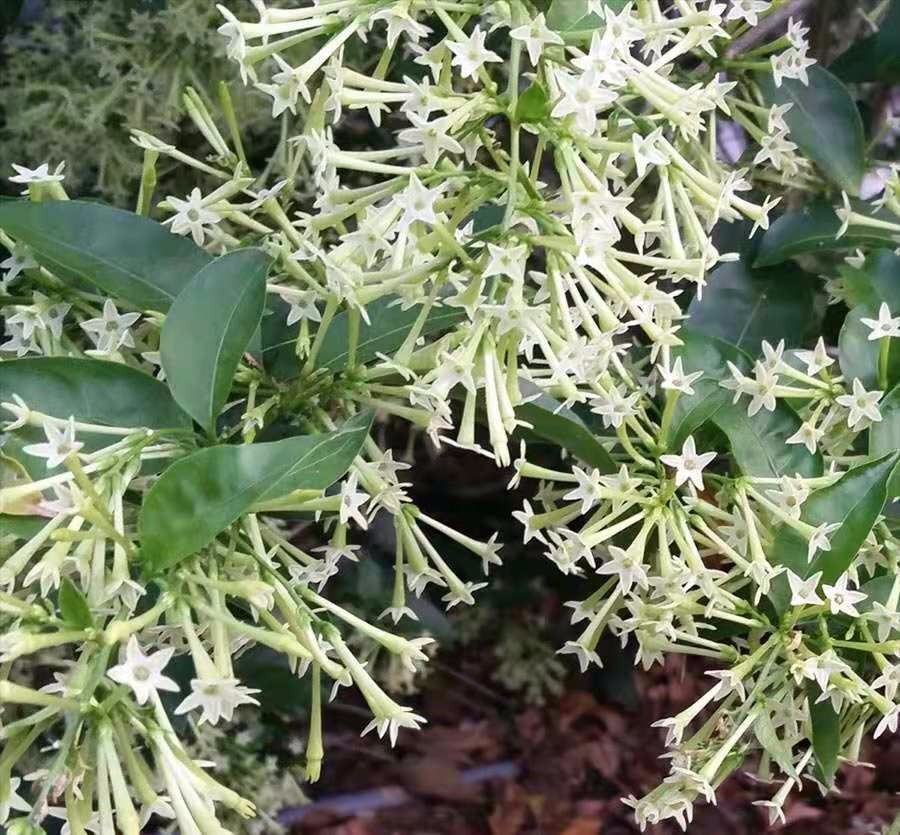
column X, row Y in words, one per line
column 576, row 15
column 21, row 527
column 73, row 607
column 551, row 420
column 859, row 356
column 826, row 734
column 207, row 329
column 876, row 281
column 533, row 105
column 813, row 229
column 758, row 443
column 127, row 256
column 202, row 494
column 93, row 391
column 777, row 748
column 854, row 502
column 388, row 327
column 884, row 436
column 702, row 352
column 825, row 123
column 745, row 305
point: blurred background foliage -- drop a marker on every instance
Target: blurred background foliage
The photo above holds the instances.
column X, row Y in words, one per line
column 76, row 75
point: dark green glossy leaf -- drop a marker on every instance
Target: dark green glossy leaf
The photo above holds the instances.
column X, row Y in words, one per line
column 129, row 257
column 814, row 229
column 701, row 352
column 745, row 305
column 859, row 355
column 759, row 443
column 877, row 590
column 207, row 329
column 533, row 105
column 202, row 494
column 877, row 57
column 389, row 326
column 854, row 502
column 876, row 281
column 884, row 436
column 554, row 422
column 826, row 734
column 574, row 16
column 571, row 16
column 277, row 340
column 825, row 124
column 21, row 527
column 73, row 607
column 777, row 748
column 486, row 217
column 93, row 391
column 281, row 692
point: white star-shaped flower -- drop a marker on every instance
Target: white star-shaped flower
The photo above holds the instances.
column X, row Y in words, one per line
column 535, row 35
column 816, row 360
column 41, row 174
column 628, row 567
column 60, row 444
column 675, row 379
column 803, row 592
column 861, row 403
column 819, row 540
column 842, row 600
column 689, row 465
column 143, row 673
column 885, row 326
column 217, row 698
column 470, row 54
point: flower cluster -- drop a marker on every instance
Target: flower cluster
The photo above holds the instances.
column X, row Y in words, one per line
column 512, row 257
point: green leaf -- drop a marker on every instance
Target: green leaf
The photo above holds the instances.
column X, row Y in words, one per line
column 93, row 391
column 745, row 305
column 573, row 15
column 207, row 329
column 14, row 473
column 859, row 356
column 813, row 229
column 758, row 443
column 854, row 502
column 127, row 256
column 486, row 216
column 884, row 436
column 389, row 326
column 825, row 124
column 554, row 422
column 877, row 57
column 21, row 527
column 202, row 494
column 73, row 606
column 9, row 13
column 826, row 734
column 876, row 281
column 701, row 352
column 777, row 749
column 533, row 105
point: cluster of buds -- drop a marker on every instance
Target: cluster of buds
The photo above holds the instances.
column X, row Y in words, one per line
column 544, row 201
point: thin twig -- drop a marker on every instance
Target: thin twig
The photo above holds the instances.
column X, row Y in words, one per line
column 767, row 27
